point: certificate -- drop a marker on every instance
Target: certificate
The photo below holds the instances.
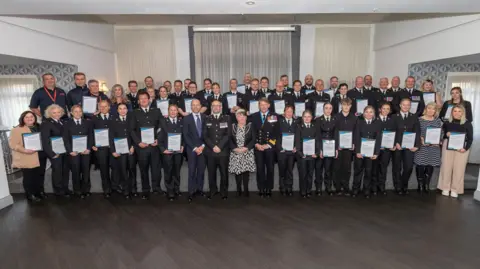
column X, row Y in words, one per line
column 267, row 94
column 57, row 144
column 279, row 106
column 89, row 104
column 188, row 105
column 413, row 107
column 449, row 112
column 232, row 100
column 329, row 92
column 367, row 147
column 299, row 108
column 32, row 141
column 361, row 105
column 339, row 107
column 163, row 106
column 319, row 109
column 147, row 134
column 174, row 142
column 308, row 147
column 121, row 145
column 241, row 89
column 101, row 137
column 307, row 92
column 287, row 141
column 408, row 140
column 388, row 139
column 456, row 141
column 79, row 143
column 328, row 148
column 345, row 139
column 432, row 136
column 428, row 97
column 253, row 107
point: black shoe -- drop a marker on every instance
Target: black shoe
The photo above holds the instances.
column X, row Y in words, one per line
column 374, row 193
column 156, row 193
column 171, row 199
column 82, row 196
column 309, row 194
column 42, row 195
column 239, row 193
column 304, row 196
column 33, row 198
column 282, row 192
column 145, row 196
column 224, row 197
column 318, row 193
column 88, row 194
column 268, row 193
column 209, row 197
column 201, row 193
column 178, row 193
column 290, row 193
column 135, row 194
column 384, row 193
column 354, row 194
column 261, row 194
column 128, row 197
column 346, row 193
column 190, row 199
column 405, row 192
column 339, row 193
column 367, row 196
column 107, row 195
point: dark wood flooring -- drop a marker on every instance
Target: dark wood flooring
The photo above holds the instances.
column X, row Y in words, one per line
column 326, row 232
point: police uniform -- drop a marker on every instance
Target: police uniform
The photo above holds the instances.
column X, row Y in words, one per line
column 395, row 100
column 336, row 105
column 43, row 98
column 314, row 98
column 343, row 164
column 286, row 159
column 133, row 98
column 266, row 91
column 176, row 97
column 251, row 96
column 306, row 164
column 379, row 171
column 324, row 166
column 415, row 96
column 188, row 96
column 125, row 166
column 357, row 95
column 102, row 155
column 240, row 103
column 218, row 97
column 306, row 88
column 100, row 97
column 285, row 96
column 385, row 97
column 216, row 132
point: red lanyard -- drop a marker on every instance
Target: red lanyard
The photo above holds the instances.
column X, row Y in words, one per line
column 54, row 98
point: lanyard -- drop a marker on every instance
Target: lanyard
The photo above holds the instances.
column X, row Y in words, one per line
column 54, row 98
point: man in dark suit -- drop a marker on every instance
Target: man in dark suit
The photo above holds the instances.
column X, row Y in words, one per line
column 317, row 97
column 395, row 90
column 94, row 91
column 252, row 95
column 280, row 96
column 358, row 94
column 308, row 84
column 415, row 96
column 333, row 88
column 132, row 95
column 75, row 95
column 215, row 96
column 194, row 145
column 178, row 92
column 284, row 80
column 231, row 109
column 207, row 90
column 369, row 83
column 265, row 86
column 192, row 94
column 247, row 81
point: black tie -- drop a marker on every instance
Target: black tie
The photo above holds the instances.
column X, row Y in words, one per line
column 78, row 122
column 405, row 116
column 263, row 118
column 104, row 117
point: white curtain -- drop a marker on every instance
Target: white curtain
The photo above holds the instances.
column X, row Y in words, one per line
column 221, row 56
column 15, row 94
column 145, row 52
column 342, row 52
column 470, row 84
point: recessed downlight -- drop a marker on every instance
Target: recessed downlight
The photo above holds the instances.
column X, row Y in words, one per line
column 250, row 3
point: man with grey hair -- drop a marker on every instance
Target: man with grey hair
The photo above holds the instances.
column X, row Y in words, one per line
column 360, row 97
column 247, row 80
column 46, row 95
column 94, row 91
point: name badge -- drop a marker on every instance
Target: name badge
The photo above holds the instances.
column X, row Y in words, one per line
column 388, row 99
column 223, row 125
column 415, row 98
column 208, row 124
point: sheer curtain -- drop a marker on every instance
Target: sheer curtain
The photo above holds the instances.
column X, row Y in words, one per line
column 15, row 94
column 342, row 52
column 225, row 55
column 470, row 84
column 145, row 52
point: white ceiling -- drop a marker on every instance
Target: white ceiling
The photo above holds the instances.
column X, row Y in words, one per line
column 182, row 7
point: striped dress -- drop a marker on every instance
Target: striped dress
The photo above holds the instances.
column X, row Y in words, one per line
column 428, row 155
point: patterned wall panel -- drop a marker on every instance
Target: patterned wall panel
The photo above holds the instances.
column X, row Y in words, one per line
column 62, row 72
column 438, row 72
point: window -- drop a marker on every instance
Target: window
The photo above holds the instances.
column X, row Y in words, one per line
column 15, row 94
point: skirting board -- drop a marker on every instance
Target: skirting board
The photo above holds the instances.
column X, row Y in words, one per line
column 6, row 201
column 476, row 195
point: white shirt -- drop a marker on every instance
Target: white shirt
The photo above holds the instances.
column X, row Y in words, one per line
column 383, row 90
column 404, row 114
column 360, row 90
column 145, row 109
column 289, row 121
column 383, row 118
column 105, row 115
column 409, row 90
column 327, row 118
column 123, row 118
column 216, row 116
column 368, row 121
column 307, row 125
column 78, row 121
column 173, row 120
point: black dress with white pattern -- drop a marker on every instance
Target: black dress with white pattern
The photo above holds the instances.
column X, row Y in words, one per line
column 241, row 162
column 428, row 155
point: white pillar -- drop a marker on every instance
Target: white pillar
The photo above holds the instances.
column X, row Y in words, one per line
column 5, row 197
column 476, row 195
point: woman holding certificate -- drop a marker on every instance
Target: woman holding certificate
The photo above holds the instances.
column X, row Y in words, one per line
column 118, row 97
column 457, row 99
column 286, row 151
column 163, row 101
column 78, row 140
column 430, row 95
column 307, row 149
column 457, row 142
column 328, row 151
column 339, row 96
column 428, row 155
column 25, row 143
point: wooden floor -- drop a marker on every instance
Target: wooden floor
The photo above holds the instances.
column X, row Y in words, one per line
column 326, row 232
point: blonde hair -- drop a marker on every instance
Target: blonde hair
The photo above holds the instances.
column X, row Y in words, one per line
column 422, row 88
column 241, row 112
column 431, row 104
column 48, row 111
column 463, row 119
column 113, row 99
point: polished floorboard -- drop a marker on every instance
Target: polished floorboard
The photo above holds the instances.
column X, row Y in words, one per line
column 282, row 232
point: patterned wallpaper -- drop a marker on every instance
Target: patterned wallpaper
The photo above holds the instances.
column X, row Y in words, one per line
column 438, row 72
column 62, row 72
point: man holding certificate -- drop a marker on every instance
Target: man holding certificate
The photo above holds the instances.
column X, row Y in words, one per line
column 328, row 151
column 252, row 96
column 359, row 96
column 144, row 125
column 92, row 99
column 285, row 149
column 171, row 144
column 415, row 96
column 307, row 149
column 317, row 99
column 185, row 104
column 215, row 96
column 232, row 100
column 407, row 141
column 299, row 100
column 280, row 99
column 78, row 140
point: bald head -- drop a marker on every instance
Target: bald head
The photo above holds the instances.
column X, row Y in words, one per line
column 308, row 80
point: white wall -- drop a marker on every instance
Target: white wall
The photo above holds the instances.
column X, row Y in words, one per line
column 399, row 44
column 89, row 46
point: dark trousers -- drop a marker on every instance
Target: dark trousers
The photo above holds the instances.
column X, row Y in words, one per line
column 343, row 170
column 323, row 171
column 80, row 166
column 265, row 162
column 242, row 179
column 306, row 166
column 124, row 172
column 32, row 181
column 362, row 170
column 220, row 162
column 172, row 164
column 102, row 156
column 42, row 157
column 379, row 170
column 424, row 174
column 149, row 161
column 286, row 161
column 196, row 171
column 60, row 174
column 402, row 168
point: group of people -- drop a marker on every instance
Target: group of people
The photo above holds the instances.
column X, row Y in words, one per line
column 244, row 130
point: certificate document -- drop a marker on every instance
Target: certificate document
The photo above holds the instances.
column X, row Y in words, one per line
column 163, row 106
column 57, row 145
column 432, row 137
column 367, row 147
column 361, row 105
column 308, row 147
column 408, row 140
column 232, row 100
column 79, row 143
column 253, row 107
column 241, row 89
column 101, row 137
column 388, row 139
column 319, row 109
column 121, row 145
column 330, row 92
column 307, row 92
column 267, row 94
column 188, row 105
column 328, row 148
column 413, row 107
column 147, row 135
column 287, row 141
column 89, row 104
column 299, row 108
column 449, row 112
column 174, row 141
column 346, row 139
column 279, row 106
column 429, row 97
column 32, row 141
column 456, row 141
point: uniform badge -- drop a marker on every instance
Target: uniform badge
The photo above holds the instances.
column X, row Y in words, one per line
column 415, row 98
column 223, row 125
column 389, row 99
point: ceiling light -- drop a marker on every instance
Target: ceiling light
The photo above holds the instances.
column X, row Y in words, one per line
column 250, row 3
